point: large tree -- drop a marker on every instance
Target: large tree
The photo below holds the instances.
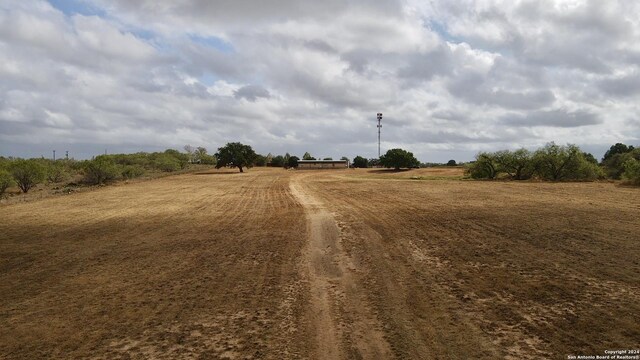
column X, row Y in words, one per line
column 484, row 167
column 555, row 162
column 399, row 158
column 618, row 148
column 517, row 164
column 235, row 155
column 360, row 162
column 292, row 162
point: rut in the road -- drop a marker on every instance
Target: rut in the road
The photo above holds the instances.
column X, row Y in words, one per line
column 343, row 322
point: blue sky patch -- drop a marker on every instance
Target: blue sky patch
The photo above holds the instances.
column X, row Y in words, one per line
column 213, row 42
column 441, row 29
column 71, row 7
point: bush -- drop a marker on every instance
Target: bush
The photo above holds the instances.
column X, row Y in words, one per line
column 132, row 171
column 632, row 171
column 180, row 158
column 167, row 163
column 56, row 173
column 27, row 173
column 100, row 170
column 6, row 180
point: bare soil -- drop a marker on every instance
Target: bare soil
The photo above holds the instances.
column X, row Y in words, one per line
column 352, row 264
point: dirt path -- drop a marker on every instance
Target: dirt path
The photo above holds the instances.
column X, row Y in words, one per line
column 344, row 324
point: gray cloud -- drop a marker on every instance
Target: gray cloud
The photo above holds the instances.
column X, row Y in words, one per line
column 553, row 118
column 623, row 86
column 153, row 74
column 251, row 93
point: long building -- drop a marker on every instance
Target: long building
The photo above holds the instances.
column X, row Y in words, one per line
column 323, row 164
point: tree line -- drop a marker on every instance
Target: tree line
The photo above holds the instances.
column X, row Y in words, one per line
column 555, row 162
column 27, row 173
column 551, row 162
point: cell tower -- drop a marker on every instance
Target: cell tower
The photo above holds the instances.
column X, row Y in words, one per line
column 379, row 128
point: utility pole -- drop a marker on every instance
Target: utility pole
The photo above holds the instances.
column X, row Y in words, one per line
column 379, row 128
column 54, row 155
column 66, row 155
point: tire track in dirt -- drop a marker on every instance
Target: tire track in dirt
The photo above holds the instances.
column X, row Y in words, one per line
column 344, row 323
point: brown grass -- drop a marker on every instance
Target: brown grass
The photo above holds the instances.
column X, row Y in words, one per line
column 233, row 266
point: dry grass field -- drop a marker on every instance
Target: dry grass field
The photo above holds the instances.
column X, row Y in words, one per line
column 346, row 264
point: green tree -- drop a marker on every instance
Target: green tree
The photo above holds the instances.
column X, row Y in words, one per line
column 293, row 162
column 261, row 160
column 328, row 158
column 451, row 163
column 235, row 155
column 399, row 158
column 554, row 162
column 632, row 171
column 484, row 167
column 277, row 161
column 360, row 162
column 6, row 180
column 307, row 156
column 614, row 165
column 517, row 164
column 27, row 173
column 618, row 148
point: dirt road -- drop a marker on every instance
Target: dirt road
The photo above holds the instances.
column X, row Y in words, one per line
column 275, row 264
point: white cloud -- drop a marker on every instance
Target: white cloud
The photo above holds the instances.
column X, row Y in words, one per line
column 283, row 75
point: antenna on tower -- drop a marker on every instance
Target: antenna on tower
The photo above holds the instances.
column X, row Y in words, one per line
column 379, row 128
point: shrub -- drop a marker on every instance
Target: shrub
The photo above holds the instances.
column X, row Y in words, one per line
column 180, row 158
column 27, row 173
column 132, row 171
column 632, row 171
column 56, row 173
column 166, row 163
column 6, row 180
column 100, row 170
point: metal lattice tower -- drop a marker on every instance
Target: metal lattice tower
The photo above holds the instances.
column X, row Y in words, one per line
column 379, row 128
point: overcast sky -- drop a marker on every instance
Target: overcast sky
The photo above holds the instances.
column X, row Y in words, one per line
column 451, row 77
